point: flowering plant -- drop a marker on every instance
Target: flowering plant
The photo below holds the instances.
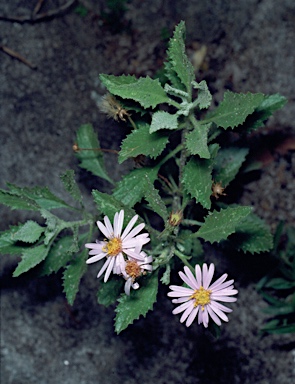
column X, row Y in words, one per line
column 178, row 190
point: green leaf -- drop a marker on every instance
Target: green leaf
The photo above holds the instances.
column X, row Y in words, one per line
column 109, row 292
column 162, row 120
column 269, row 105
column 165, row 279
column 219, row 225
column 139, row 302
column 73, row 274
column 234, row 109
column 280, row 283
column 204, row 96
column 30, row 258
column 109, row 205
column 7, row 241
column 252, row 235
column 141, row 142
column 59, row 255
column 130, row 190
column 91, row 160
column 227, row 164
column 197, row 180
column 17, row 201
column 178, row 59
column 54, row 225
column 196, row 141
column 30, row 232
column 146, row 91
column 273, row 328
column 41, row 196
column 153, row 198
column 68, row 179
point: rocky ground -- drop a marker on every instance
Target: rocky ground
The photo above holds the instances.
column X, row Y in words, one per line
column 250, row 47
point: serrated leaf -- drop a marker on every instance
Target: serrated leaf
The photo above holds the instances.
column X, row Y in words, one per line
column 30, row 232
column 234, row 109
column 172, row 76
column 227, row 164
column 197, row 180
column 139, row 302
column 153, row 198
column 109, row 292
column 178, row 59
column 130, row 190
column 59, row 255
column 16, row 201
column 252, row 235
column 109, row 205
column 146, row 91
column 204, row 96
column 68, row 179
column 42, row 196
column 196, row 141
column 7, row 241
column 219, row 225
column 142, row 142
column 91, row 160
column 30, row 258
column 54, row 225
column 280, row 283
column 269, row 105
column 165, row 279
column 163, row 120
column 278, row 329
column 73, row 274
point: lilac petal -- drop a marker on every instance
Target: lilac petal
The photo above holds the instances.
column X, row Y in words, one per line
column 187, row 312
column 181, row 308
column 129, row 226
column 147, row 267
column 143, row 238
column 109, row 269
column 200, row 316
column 94, row 245
column 133, row 254
column 198, row 275
column 104, row 267
column 218, row 282
column 95, row 252
column 220, row 286
column 213, row 316
column 178, row 294
column 180, row 300
column 177, row 288
column 208, row 277
column 218, row 313
column 135, row 286
column 131, row 243
column 204, row 272
column 108, row 225
column 134, row 232
column 225, row 292
column 148, row 259
column 104, row 230
column 185, row 279
column 192, row 316
column 226, row 299
column 118, row 223
column 95, row 258
column 191, row 277
column 205, row 317
column 128, row 286
column 223, row 308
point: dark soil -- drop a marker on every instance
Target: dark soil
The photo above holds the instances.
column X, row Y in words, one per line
column 250, row 47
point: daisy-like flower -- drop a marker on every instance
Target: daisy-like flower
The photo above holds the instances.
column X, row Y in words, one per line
column 117, row 244
column 134, row 268
column 201, row 298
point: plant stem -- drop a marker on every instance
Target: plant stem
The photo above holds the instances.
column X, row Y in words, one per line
column 183, row 259
column 191, row 222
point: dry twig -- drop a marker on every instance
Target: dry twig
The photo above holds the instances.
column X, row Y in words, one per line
column 35, row 17
column 17, row 56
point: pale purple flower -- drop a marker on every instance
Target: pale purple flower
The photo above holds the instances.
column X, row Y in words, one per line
column 201, row 298
column 136, row 267
column 117, row 244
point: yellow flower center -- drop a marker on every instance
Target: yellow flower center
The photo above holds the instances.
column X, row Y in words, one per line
column 113, row 246
column 133, row 269
column 201, row 297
